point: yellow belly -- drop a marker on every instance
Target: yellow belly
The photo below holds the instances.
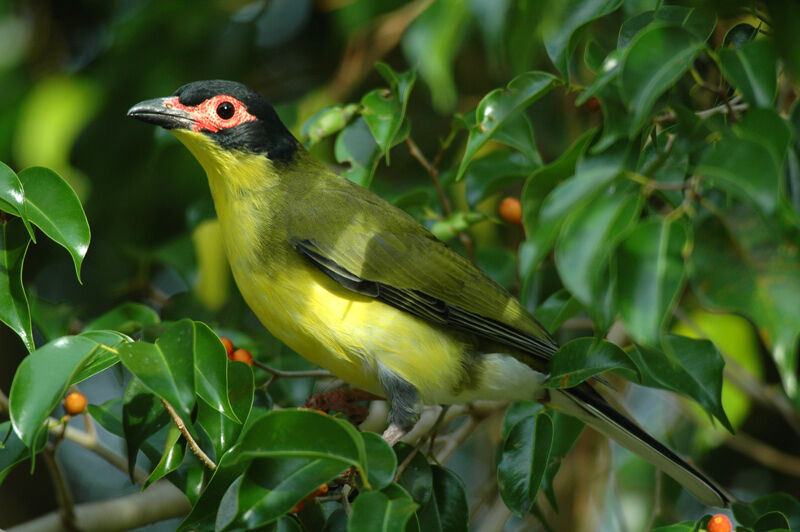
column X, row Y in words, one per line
column 349, row 334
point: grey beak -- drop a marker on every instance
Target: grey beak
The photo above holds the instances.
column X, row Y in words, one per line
column 159, row 112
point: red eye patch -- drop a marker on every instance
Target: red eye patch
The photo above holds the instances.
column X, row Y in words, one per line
column 209, row 115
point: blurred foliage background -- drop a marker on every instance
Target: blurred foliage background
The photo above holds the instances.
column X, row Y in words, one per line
column 70, row 70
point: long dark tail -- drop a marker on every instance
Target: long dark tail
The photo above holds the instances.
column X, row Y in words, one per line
column 584, row 403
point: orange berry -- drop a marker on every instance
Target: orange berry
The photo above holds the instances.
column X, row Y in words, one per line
column 298, row 507
column 592, row 105
column 719, row 523
column 322, row 490
column 243, row 355
column 75, row 403
column 511, row 210
column 228, row 346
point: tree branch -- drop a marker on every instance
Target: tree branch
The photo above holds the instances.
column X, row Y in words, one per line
column 158, row 502
column 764, row 454
column 208, row 462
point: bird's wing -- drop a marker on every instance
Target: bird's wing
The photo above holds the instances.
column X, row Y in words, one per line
column 371, row 247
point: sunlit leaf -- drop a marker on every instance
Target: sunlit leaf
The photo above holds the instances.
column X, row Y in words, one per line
column 583, row 358
column 14, row 309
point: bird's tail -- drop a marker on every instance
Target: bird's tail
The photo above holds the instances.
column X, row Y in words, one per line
column 584, row 403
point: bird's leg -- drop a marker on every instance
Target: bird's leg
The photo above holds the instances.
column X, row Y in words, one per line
column 404, row 401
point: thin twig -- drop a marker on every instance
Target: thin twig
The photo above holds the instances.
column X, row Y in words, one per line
column 189, row 439
column 281, row 374
column 63, row 495
column 764, row 454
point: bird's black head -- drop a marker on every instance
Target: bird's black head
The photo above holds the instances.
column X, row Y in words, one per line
column 234, row 115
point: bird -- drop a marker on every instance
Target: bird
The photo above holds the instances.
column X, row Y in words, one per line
column 359, row 287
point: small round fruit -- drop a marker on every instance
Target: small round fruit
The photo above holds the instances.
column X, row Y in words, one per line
column 719, row 523
column 75, row 403
column 228, row 346
column 243, row 355
column 322, row 490
column 298, row 507
column 592, row 105
column 511, row 210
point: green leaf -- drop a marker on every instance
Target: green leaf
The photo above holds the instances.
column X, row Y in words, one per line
column 375, row 511
column 656, row 59
column 210, row 367
column 557, row 309
column 127, row 318
column 526, row 452
column 448, row 509
column 746, row 169
column 761, row 279
column 171, row 458
column 592, row 174
column 328, row 121
column 768, row 128
column 142, row 416
column 104, row 357
column 752, row 70
column 566, row 430
column 564, row 27
column 784, row 504
column 14, row 309
column 166, row 368
column 222, row 430
column 41, row 380
column 277, row 435
column 589, row 237
column 384, row 111
column 203, row 514
column 499, row 106
column 696, row 21
column 381, row 460
column 416, row 477
column 495, row 172
column 356, row 145
column 650, row 271
column 12, row 196
column 686, row 526
column 272, row 486
column 688, row 366
column 54, row 208
column 739, row 35
column 13, row 451
column 583, row 358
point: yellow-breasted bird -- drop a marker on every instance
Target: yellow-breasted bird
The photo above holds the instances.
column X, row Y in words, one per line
column 359, row 287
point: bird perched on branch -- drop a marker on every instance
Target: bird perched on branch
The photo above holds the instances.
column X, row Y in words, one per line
column 359, row 287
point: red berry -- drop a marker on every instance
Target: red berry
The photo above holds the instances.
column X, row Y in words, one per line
column 322, row 490
column 592, row 105
column 243, row 355
column 75, row 403
column 719, row 523
column 298, row 507
column 510, row 210
column 228, row 346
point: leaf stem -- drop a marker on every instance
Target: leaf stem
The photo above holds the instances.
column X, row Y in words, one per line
column 281, row 374
column 208, row 462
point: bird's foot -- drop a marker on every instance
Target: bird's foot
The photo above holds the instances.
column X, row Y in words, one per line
column 393, row 434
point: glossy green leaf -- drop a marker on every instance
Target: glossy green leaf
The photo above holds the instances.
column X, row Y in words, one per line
column 739, row 35
column 127, row 318
column 517, row 412
column 761, row 279
column 746, row 169
column 355, row 145
column 656, row 59
column 166, row 368
column 277, row 434
column 210, row 368
column 566, row 21
column 699, row 22
column 222, row 430
column 583, row 358
column 142, row 416
column 751, row 69
column 108, row 415
column 650, row 274
column 784, row 504
column 41, row 380
column 272, row 486
column 416, row 477
column 381, row 460
column 172, row 456
column 495, row 172
column 499, row 106
column 14, row 309
column 54, row 208
column 13, row 451
column 687, row 366
column 376, row 511
column 448, row 509
column 768, row 128
column 104, row 357
column 566, row 430
column 517, row 133
column 12, row 196
column 557, row 309
column 384, row 111
column 592, row 174
column 589, row 236
column 526, row 452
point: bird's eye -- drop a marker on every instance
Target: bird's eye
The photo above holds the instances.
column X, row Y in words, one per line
column 225, row 110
